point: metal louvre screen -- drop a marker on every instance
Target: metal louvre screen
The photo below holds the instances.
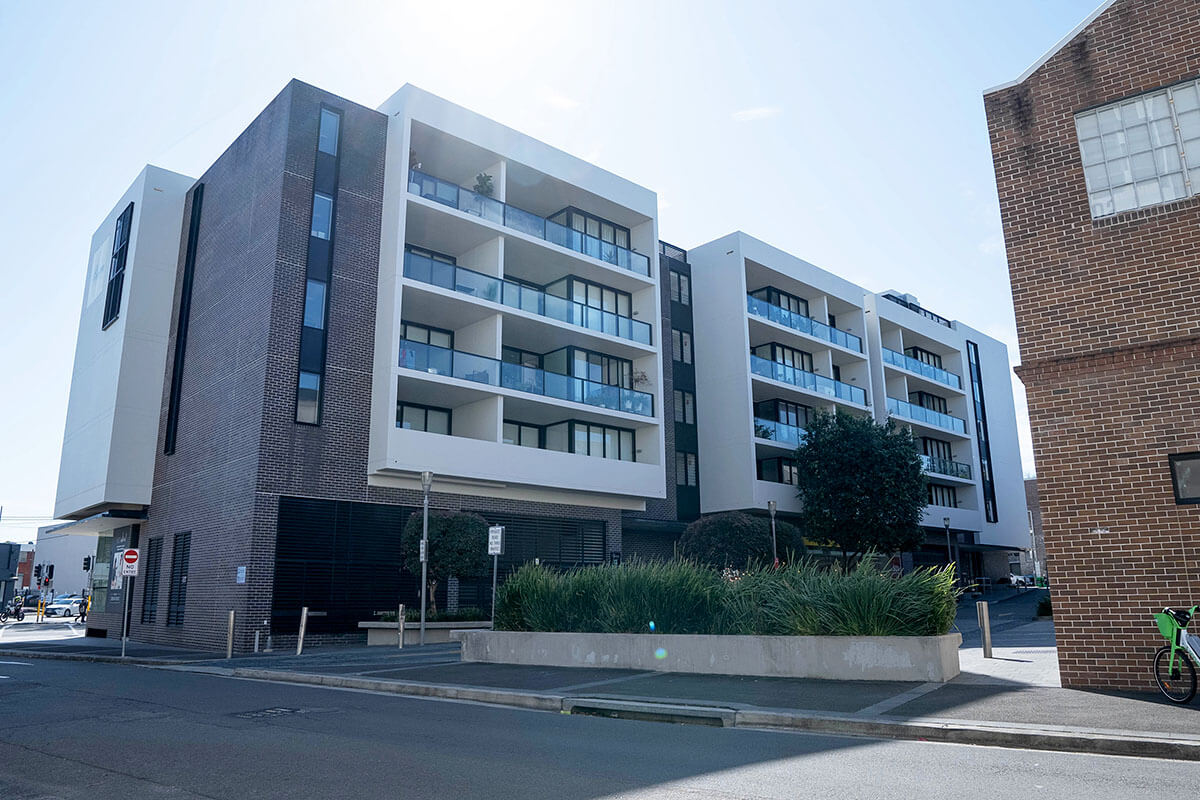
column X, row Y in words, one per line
column 343, row 559
column 177, row 597
column 150, row 586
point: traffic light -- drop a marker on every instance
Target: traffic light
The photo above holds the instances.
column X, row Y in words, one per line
column 50, row 572
column 87, row 563
column 37, row 572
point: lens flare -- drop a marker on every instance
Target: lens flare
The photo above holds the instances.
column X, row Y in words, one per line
column 651, row 626
column 660, row 653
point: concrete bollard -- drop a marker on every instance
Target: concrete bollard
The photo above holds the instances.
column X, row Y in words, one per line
column 400, row 626
column 985, row 627
column 229, row 637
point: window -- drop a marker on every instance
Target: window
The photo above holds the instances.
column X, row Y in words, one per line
column 523, row 435
column 681, row 346
column 423, row 418
column 1131, row 150
column 116, row 267
column 788, row 302
column 327, row 138
column 681, row 288
column 177, row 596
column 944, row 496
column 924, row 356
column 1185, row 479
column 322, row 216
column 685, row 407
column 182, row 321
column 788, row 356
column 927, row 400
column 935, row 448
column 424, row 334
column 685, row 470
column 152, row 571
column 602, row 441
column 986, row 475
column 832, row 321
column 308, row 398
column 783, row 411
column 778, row 470
column 314, row 304
column 596, row 227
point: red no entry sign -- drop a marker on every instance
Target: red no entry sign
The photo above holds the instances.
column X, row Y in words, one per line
column 129, row 558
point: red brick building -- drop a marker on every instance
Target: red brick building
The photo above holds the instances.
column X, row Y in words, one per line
column 1097, row 159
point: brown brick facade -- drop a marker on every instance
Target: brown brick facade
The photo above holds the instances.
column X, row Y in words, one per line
column 1108, row 316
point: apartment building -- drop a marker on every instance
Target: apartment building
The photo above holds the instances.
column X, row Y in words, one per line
column 1096, row 148
column 783, row 339
column 272, row 354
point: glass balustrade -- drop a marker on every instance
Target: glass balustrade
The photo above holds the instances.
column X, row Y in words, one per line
column 925, row 415
column 783, row 433
column 470, row 202
column 480, row 369
column 514, row 295
column 897, row 359
column 807, row 380
column 799, row 322
column 944, row 466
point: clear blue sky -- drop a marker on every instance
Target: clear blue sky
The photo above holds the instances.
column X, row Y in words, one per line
column 851, row 134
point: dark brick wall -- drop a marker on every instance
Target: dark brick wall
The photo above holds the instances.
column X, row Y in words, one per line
column 1108, row 315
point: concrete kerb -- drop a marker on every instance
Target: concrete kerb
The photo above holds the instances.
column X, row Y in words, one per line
column 99, row 658
column 1023, row 737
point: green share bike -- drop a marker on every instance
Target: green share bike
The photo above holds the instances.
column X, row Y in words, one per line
column 1175, row 664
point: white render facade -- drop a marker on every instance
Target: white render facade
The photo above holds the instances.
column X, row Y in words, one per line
column 778, row 338
column 527, row 315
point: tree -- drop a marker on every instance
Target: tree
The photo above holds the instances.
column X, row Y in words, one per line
column 457, row 548
column 734, row 539
column 861, row 484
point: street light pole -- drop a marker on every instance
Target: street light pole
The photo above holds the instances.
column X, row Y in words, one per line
column 426, row 483
column 774, row 548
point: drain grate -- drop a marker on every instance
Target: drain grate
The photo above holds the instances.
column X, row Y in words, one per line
column 269, row 713
column 649, row 711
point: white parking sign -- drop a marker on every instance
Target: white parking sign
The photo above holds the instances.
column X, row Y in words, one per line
column 496, row 540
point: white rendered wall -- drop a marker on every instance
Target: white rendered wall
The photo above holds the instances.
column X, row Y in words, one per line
column 111, row 433
column 66, row 552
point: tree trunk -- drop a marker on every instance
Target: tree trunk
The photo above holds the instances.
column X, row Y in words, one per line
column 432, row 594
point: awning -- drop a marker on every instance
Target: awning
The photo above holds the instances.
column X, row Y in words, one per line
column 99, row 523
column 990, row 548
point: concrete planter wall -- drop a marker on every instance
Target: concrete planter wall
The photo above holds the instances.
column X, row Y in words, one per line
column 850, row 658
column 384, row 633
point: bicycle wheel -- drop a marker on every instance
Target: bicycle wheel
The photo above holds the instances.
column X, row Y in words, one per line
column 1178, row 684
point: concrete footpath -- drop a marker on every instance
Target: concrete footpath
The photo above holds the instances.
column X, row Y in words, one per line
column 1009, row 701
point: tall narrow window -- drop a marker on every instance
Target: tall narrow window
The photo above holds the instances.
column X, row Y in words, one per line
column 327, row 138
column 177, row 596
column 981, row 429
column 181, row 323
column 308, row 398
column 314, row 304
column 322, row 216
column 152, row 571
column 116, row 267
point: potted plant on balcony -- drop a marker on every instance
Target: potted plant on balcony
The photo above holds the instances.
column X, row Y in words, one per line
column 484, row 185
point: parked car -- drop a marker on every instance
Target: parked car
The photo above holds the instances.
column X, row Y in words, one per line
column 65, row 605
column 1022, row 580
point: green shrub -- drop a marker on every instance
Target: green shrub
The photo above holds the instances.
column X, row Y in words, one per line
column 801, row 599
column 735, row 539
column 1043, row 607
column 464, row 613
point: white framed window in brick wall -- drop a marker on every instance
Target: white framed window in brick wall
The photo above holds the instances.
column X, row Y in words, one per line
column 1136, row 153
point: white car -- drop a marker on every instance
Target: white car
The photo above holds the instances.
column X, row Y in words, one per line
column 66, row 605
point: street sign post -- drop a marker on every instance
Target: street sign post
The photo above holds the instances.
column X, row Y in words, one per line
column 130, row 558
column 495, row 550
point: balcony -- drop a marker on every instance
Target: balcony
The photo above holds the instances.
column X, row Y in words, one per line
column 944, row 466
column 921, row 368
column 924, row 312
column 926, row 416
column 493, row 210
column 779, row 432
column 480, row 369
column 807, row 380
column 513, row 295
column 799, row 322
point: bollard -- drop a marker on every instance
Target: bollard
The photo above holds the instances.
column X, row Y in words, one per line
column 985, row 627
column 269, row 649
column 229, row 637
column 256, row 633
column 400, row 626
column 303, row 625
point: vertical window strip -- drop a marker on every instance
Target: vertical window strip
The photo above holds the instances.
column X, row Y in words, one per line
column 116, row 267
column 181, row 323
column 985, row 450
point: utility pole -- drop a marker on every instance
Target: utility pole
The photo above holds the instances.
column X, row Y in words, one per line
column 774, row 547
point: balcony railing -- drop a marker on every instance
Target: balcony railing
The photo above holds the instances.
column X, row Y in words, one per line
column 944, row 466
column 514, row 295
column 778, row 432
column 921, row 368
column 807, row 380
column 924, row 312
column 488, row 208
column 480, row 369
column 799, row 322
column 925, row 415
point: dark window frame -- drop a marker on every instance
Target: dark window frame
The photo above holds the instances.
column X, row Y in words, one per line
column 1173, row 462
column 403, row 404
column 116, row 268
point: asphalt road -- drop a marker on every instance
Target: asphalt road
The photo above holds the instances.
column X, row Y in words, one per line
column 79, row 730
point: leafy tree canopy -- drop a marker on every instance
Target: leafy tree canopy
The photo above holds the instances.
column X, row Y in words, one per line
column 861, row 484
column 457, row 547
column 735, row 539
